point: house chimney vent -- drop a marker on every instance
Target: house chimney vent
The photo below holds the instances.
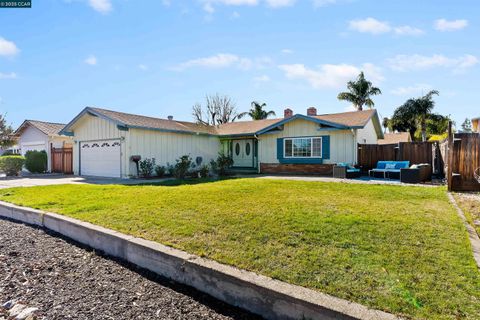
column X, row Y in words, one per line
column 287, row 113
column 312, row 111
column 170, row 118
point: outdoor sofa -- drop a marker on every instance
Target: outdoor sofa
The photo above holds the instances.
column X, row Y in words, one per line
column 389, row 169
column 417, row 173
column 345, row 171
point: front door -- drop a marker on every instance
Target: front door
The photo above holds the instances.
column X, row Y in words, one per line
column 242, row 153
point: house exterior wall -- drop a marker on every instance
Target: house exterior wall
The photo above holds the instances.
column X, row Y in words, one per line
column 368, row 134
column 167, row 147
column 32, row 138
column 90, row 128
column 342, row 146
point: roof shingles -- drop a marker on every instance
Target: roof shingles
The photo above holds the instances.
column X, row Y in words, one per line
column 49, row 128
column 349, row 119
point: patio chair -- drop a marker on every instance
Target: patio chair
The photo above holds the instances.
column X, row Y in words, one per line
column 345, row 171
column 389, row 168
column 417, row 173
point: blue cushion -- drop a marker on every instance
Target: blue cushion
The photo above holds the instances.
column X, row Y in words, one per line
column 381, row 164
column 342, row 164
column 402, row 164
column 353, row 170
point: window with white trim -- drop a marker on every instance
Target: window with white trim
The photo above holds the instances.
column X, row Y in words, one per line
column 308, row 147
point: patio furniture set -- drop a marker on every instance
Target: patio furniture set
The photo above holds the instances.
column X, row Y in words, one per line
column 401, row 170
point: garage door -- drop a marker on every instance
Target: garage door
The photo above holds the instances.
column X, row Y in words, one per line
column 100, row 158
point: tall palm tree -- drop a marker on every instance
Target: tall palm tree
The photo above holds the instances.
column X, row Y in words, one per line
column 359, row 92
column 257, row 112
column 386, row 123
column 414, row 114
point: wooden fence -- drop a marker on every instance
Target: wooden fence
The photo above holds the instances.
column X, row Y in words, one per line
column 415, row 152
column 463, row 158
column 62, row 160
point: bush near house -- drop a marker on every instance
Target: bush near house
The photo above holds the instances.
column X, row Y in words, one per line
column 160, row 171
column 146, row 167
column 181, row 168
column 36, row 161
column 222, row 164
column 11, row 165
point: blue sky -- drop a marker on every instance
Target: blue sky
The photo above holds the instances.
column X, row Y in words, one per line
column 158, row 58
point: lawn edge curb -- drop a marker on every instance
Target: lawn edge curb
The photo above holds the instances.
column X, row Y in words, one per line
column 472, row 233
column 258, row 294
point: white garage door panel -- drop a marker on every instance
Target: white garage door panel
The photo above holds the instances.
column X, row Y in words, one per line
column 100, row 158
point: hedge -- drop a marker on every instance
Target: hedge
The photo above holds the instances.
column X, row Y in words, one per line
column 36, row 161
column 11, row 165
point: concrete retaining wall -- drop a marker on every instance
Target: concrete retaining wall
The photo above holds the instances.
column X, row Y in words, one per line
column 269, row 298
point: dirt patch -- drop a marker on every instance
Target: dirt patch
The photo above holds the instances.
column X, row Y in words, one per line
column 65, row 281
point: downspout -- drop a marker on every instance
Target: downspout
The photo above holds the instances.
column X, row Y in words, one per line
column 355, row 146
column 258, row 153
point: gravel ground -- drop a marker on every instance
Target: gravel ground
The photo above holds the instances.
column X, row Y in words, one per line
column 65, row 281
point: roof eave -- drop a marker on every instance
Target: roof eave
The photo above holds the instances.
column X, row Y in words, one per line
column 301, row 116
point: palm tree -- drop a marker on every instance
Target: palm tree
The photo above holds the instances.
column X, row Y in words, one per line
column 415, row 113
column 257, row 112
column 359, row 93
column 386, row 123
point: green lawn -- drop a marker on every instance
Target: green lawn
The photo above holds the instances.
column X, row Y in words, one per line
column 398, row 249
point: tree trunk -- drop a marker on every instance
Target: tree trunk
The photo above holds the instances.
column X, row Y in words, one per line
column 424, row 130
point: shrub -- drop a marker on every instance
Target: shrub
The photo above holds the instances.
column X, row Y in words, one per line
column 147, row 167
column 184, row 163
column 160, row 171
column 204, row 171
column 36, row 161
column 11, row 165
column 223, row 163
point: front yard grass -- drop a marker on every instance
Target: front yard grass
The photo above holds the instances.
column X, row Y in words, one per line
column 399, row 249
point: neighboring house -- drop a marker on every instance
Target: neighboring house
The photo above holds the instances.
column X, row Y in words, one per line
column 106, row 140
column 15, row 149
column 391, row 138
column 41, row 135
column 476, row 125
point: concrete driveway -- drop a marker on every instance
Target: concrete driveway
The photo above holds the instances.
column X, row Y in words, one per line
column 47, row 179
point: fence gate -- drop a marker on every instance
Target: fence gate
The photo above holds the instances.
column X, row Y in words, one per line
column 62, row 160
column 463, row 158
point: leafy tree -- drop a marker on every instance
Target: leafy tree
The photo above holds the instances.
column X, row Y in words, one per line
column 6, row 131
column 257, row 112
column 467, row 126
column 359, row 92
column 414, row 114
column 218, row 110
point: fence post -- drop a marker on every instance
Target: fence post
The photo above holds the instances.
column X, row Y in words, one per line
column 450, row 157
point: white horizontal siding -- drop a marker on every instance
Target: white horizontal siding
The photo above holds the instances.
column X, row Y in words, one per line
column 166, row 147
column 341, row 142
column 368, row 134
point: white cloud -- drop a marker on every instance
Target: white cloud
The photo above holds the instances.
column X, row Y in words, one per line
column 374, row 26
column 417, row 62
column 91, row 60
column 143, row 67
column 452, row 25
column 102, row 6
column 370, row 25
column 331, row 75
column 408, row 31
column 11, row 75
column 7, row 48
column 287, row 51
column 417, row 89
column 235, row 15
column 224, row 60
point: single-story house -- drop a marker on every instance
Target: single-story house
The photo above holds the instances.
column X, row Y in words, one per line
column 106, row 140
column 41, row 135
column 396, row 137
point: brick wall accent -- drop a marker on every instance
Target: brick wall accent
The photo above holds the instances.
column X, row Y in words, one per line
column 316, row 169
